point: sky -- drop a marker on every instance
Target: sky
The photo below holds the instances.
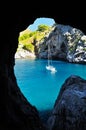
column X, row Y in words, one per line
column 38, row 21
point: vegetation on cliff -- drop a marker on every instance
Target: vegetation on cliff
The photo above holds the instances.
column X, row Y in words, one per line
column 66, row 43
column 28, row 39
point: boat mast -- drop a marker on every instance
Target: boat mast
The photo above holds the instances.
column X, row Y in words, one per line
column 49, row 55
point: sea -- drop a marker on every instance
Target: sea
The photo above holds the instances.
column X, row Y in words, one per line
column 41, row 86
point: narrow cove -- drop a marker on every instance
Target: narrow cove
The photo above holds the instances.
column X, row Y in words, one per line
column 40, row 86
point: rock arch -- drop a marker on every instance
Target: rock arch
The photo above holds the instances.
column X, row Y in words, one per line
column 15, row 110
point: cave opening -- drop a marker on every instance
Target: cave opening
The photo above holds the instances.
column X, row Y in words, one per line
column 15, row 111
column 26, row 81
column 24, row 65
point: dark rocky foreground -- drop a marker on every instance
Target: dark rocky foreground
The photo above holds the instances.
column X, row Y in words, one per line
column 69, row 112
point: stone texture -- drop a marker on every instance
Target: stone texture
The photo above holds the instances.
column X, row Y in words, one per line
column 69, row 112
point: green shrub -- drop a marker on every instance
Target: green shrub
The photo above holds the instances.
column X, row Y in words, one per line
column 29, row 47
column 42, row 28
column 23, row 37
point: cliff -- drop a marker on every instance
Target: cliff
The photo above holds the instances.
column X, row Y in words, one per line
column 66, row 43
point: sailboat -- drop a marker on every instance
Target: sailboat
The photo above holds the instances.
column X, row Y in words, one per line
column 49, row 66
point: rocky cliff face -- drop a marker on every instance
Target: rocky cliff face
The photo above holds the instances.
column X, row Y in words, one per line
column 15, row 111
column 66, row 43
column 69, row 112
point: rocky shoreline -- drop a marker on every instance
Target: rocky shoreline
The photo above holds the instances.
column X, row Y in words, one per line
column 24, row 54
column 66, row 43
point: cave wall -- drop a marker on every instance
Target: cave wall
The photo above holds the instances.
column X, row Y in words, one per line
column 15, row 110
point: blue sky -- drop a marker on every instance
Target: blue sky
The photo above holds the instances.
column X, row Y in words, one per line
column 38, row 21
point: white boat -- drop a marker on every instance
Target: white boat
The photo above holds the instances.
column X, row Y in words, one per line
column 50, row 66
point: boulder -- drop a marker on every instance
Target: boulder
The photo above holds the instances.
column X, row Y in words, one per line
column 69, row 112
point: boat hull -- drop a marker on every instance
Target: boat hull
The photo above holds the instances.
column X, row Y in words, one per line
column 51, row 68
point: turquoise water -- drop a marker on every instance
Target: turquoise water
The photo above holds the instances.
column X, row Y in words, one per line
column 40, row 86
